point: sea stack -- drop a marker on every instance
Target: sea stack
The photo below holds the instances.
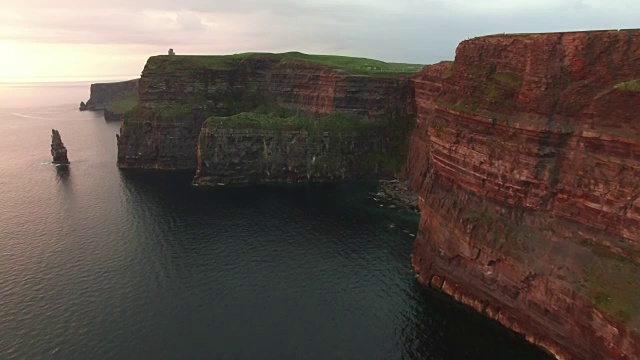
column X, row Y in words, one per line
column 58, row 151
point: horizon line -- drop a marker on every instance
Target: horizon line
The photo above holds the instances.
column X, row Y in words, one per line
column 68, row 78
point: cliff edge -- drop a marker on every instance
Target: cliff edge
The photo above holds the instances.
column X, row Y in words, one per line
column 178, row 93
column 526, row 155
column 115, row 98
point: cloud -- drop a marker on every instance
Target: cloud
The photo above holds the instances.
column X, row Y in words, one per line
column 190, row 22
column 422, row 31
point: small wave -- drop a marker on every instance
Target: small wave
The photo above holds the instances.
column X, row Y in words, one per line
column 30, row 116
column 50, row 163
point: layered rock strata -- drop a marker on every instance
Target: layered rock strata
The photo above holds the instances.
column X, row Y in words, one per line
column 526, row 155
column 58, row 151
column 177, row 93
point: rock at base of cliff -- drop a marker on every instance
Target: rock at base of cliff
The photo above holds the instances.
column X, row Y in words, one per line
column 58, row 151
column 400, row 192
column 83, row 106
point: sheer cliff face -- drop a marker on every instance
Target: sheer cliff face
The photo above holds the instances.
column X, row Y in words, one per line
column 178, row 93
column 231, row 156
column 103, row 94
column 526, row 155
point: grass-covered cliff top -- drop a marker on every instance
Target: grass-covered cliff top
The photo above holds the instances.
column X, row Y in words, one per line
column 346, row 64
column 124, row 102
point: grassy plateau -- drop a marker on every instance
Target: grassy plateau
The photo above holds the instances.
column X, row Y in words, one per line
column 346, row 64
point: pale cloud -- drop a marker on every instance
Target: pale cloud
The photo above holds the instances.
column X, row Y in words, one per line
column 507, row 6
column 422, row 31
column 190, row 22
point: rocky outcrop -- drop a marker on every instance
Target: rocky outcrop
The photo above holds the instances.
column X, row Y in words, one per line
column 103, row 94
column 526, row 155
column 399, row 192
column 58, row 151
column 177, row 93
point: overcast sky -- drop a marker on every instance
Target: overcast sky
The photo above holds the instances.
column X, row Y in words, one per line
column 93, row 38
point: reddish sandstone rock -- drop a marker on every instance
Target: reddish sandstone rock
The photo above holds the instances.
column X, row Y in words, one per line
column 526, row 154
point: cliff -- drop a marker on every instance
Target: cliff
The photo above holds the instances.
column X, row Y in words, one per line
column 177, row 94
column 254, row 148
column 104, row 95
column 526, row 155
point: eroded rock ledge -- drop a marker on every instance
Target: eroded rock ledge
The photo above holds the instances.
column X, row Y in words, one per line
column 526, row 155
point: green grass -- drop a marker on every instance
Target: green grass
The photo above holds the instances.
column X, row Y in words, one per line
column 346, row 64
column 633, row 86
column 614, row 288
column 137, row 113
column 509, row 79
column 171, row 112
column 124, row 103
column 449, row 72
column 503, row 86
column 134, row 114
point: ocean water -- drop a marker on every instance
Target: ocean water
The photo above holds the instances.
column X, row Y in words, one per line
column 100, row 264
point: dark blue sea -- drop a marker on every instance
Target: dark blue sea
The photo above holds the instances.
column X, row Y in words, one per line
column 96, row 263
